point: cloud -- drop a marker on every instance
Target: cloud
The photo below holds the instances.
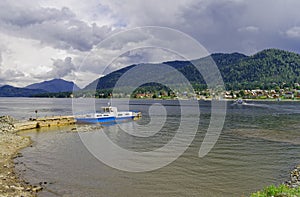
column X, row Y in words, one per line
column 220, row 25
column 39, row 35
column 10, row 76
column 13, row 73
column 293, row 32
column 61, row 68
column 59, row 28
column 140, row 45
column 249, row 29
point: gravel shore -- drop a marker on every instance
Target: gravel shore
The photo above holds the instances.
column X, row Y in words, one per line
column 10, row 143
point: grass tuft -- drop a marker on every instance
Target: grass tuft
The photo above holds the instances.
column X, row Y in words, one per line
column 279, row 191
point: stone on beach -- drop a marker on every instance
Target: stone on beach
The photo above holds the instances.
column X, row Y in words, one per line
column 294, row 181
column 10, row 143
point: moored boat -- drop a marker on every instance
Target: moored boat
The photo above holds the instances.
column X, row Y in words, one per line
column 107, row 115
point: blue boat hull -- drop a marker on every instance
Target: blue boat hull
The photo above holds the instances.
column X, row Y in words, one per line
column 103, row 119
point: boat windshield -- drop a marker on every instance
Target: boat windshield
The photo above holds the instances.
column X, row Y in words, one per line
column 107, row 109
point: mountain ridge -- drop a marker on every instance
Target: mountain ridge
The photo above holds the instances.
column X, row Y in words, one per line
column 11, row 91
column 44, row 87
column 55, row 86
column 263, row 69
column 269, row 68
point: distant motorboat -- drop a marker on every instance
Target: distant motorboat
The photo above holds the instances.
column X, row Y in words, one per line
column 240, row 102
column 108, row 114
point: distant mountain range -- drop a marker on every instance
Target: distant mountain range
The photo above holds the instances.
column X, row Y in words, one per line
column 266, row 69
column 52, row 86
column 10, row 91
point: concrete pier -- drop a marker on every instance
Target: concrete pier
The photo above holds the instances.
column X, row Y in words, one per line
column 44, row 122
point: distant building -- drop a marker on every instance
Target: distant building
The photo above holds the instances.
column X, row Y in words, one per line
column 297, row 94
column 289, row 95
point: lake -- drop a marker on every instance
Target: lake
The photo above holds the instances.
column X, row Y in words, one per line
column 258, row 146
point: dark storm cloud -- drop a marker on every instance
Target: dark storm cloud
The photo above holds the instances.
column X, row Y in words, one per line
column 243, row 26
column 222, row 25
column 56, row 27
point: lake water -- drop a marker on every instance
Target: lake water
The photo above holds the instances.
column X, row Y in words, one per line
column 258, row 146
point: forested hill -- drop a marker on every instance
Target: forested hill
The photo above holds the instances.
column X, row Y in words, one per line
column 266, row 69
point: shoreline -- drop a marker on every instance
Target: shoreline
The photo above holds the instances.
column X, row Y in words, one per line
column 11, row 183
column 180, row 99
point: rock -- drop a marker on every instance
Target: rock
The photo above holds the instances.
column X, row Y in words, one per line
column 36, row 188
column 28, row 189
column 17, row 188
column 294, row 181
column 6, row 124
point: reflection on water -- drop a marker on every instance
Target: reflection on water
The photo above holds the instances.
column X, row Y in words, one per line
column 258, row 147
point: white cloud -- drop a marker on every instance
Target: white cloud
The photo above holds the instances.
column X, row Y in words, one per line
column 249, row 29
column 10, row 76
column 60, row 68
column 293, row 32
column 26, row 56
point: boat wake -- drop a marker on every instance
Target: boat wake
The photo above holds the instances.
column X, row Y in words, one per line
column 241, row 102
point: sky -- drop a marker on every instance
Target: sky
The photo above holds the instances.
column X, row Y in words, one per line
column 45, row 39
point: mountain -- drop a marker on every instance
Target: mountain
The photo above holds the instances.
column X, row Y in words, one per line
column 265, row 69
column 54, row 86
column 108, row 81
column 10, row 91
column 270, row 68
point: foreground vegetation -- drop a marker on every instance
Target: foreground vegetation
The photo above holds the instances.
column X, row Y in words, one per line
column 279, row 191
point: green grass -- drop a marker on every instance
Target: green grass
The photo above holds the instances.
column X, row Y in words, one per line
column 280, row 191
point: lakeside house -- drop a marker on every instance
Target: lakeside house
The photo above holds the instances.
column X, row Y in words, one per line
column 263, row 94
column 255, row 94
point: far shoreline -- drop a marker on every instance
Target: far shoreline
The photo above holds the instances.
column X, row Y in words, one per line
column 158, row 99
